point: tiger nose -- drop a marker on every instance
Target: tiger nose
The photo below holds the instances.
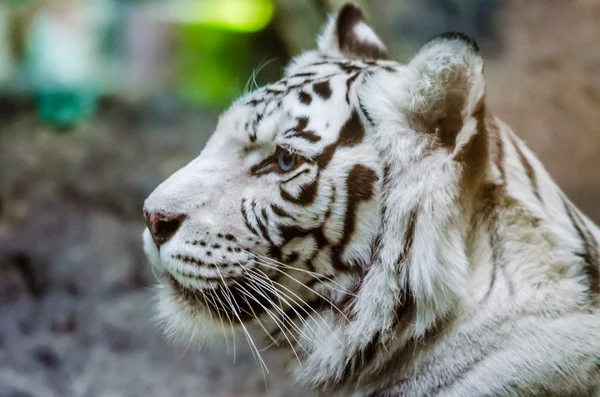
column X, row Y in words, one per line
column 162, row 226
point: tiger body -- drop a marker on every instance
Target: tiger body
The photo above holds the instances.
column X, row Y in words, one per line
column 383, row 229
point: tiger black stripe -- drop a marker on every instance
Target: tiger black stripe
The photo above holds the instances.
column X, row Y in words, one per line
column 300, row 131
column 375, row 251
column 291, row 258
column 304, row 97
column 323, row 89
column 277, row 210
column 490, row 199
column 362, row 358
column 528, row 168
column 591, row 266
column 308, row 135
column 404, row 310
column 307, row 195
column 304, row 74
column 349, row 82
column 287, row 233
column 498, row 138
column 366, row 113
column 261, row 222
column 491, row 194
column 296, row 175
column 246, row 220
column 349, row 68
column 360, row 186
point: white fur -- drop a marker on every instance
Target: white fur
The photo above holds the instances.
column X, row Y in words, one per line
column 365, row 34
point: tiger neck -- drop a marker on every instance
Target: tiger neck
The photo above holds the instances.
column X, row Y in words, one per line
column 527, row 238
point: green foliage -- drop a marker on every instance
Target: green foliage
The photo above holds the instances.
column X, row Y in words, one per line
column 211, row 63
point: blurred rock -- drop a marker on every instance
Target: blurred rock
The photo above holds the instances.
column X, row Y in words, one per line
column 46, row 356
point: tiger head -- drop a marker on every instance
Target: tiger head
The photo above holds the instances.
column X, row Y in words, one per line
column 326, row 208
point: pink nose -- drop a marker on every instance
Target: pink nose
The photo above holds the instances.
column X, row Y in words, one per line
column 162, row 226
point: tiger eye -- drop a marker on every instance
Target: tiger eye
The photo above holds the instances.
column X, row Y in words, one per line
column 286, row 160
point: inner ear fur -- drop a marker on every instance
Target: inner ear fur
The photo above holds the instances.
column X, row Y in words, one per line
column 348, row 35
column 448, row 88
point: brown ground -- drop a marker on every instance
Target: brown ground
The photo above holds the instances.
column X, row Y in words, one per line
column 74, row 312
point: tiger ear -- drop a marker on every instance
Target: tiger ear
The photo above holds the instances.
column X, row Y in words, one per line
column 348, row 35
column 447, row 88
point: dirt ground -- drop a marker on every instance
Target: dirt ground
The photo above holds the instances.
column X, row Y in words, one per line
column 75, row 312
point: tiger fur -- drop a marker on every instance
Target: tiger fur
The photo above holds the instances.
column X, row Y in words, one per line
column 383, row 229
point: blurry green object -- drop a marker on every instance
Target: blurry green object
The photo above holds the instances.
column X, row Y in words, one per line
column 214, row 47
column 212, row 65
column 65, row 108
column 61, row 62
column 235, row 15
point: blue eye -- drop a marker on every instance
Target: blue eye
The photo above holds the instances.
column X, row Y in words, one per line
column 286, row 160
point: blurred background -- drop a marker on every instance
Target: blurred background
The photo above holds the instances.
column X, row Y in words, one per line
column 100, row 100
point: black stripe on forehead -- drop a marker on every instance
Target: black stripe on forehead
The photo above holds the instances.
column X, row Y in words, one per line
column 323, row 89
column 301, row 131
column 351, row 134
column 321, row 86
column 304, row 97
column 284, row 86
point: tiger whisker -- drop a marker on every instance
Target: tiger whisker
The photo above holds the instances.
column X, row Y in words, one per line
column 157, row 276
column 212, row 319
column 279, row 326
column 277, row 321
column 282, row 295
column 268, row 346
column 278, row 263
column 253, row 347
column 309, row 288
column 214, row 304
column 257, row 278
column 258, row 319
column 252, row 79
column 304, row 303
column 254, row 314
column 318, row 276
column 191, row 340
column 248, row 337
column 281, row 311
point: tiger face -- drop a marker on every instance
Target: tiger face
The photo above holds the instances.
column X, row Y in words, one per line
column 298, row 215
column 283, row 202
column 283, row 199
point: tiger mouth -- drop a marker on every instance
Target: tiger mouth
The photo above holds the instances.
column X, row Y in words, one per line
column 230, row 301
column 211, row 265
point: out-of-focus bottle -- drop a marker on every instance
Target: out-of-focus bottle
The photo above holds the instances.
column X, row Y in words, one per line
column 62, row 62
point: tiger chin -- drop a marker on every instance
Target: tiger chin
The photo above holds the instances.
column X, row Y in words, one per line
column 374, row 221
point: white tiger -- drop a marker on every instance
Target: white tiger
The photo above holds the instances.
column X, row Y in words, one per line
column 377, row 222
